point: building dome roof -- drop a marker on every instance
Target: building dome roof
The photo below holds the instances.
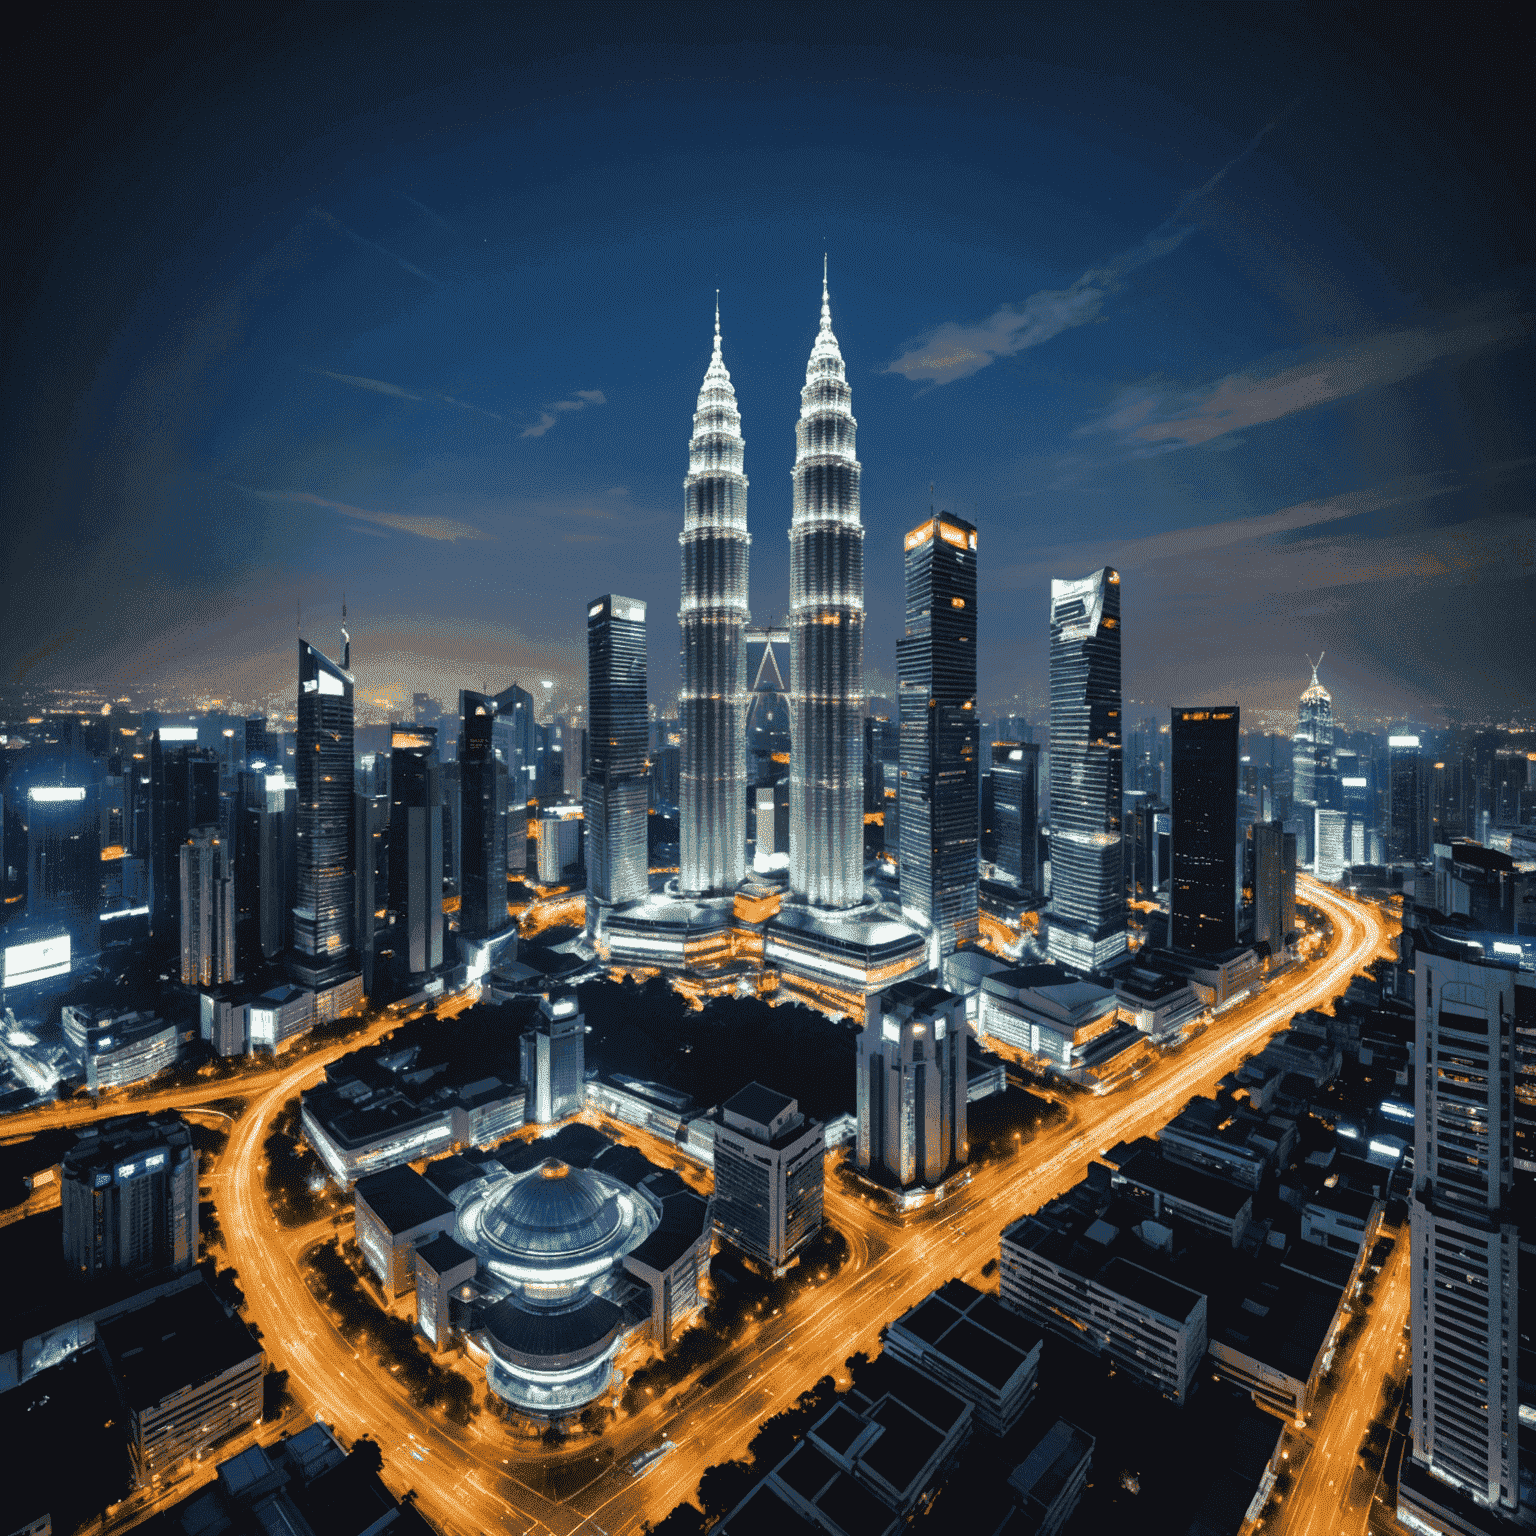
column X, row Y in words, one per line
column 539, row 1340
column 556, row 1211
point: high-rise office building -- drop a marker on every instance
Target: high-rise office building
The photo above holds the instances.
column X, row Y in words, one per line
column 712, row 704
column 769, row 1175
column 936, row 660
column 257, row 747
column 1207, row 883
column 1407, row 801
column 552, row 1052
column 128, row 1188
column 183, row 793
column 912, row 1084
column 63, row 835
column 1330, row 844
column 1274, row 883
column 826, row 652
column 484, row 786
column 207, row 910
column 323, row 929
column 616, row 796
column 277, row 887
column 1312, row 758
column 1464, row 1237
column 416, row 850
column 1015, row 818
column 1087, row 920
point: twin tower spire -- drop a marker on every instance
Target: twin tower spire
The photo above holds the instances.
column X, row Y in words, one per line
column 826, row 659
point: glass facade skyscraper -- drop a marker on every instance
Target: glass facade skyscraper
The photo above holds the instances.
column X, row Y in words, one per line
column 712, row 706
column 485, row 777
column 1312, row 759
column 616, row 798
column 416, row 849
column 323, row 930
column 940, row 734
column 1087, row 921
column 1407, row 801
column 1207, row 882
column 826, row 649
column 183, row 794
column 1016, row 814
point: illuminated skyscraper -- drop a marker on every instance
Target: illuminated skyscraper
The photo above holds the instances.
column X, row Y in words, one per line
column 1464, row 1238
column 1206, row 872
column 183, row 794
column 712, row 788
column 616, row 798
column 1312, row 758
column 322, row 916
column 1016, row 814
column 1087, row 922
column 826, row 652
column 936, row 659
column 63, row 831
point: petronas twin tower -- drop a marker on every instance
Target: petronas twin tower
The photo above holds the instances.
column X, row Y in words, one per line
column 826, row 683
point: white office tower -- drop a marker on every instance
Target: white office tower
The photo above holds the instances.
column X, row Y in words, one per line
column 1465, row 1243
column 769, row 1175
column 912, row 1085
column 553, row 1058
column 207, row 910
column 712, row 706
column 826, row 625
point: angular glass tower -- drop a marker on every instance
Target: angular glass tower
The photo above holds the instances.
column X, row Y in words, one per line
column 485, row 769
column 1312, row 747
column 416, row 850
column 712, row 782
column 322, row 916
column 616, row 794
column 1087, row 925
column 826, row 648
column 940, row 735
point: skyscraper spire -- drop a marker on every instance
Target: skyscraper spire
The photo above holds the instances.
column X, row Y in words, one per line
column 826, row 656
column 712, row 778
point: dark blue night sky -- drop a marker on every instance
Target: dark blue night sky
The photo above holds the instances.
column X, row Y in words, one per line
column 414, row 304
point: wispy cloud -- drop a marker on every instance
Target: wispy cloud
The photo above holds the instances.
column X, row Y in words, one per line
column 550, row 414
column 421, row 207
column 446, row 529
column 384, row 387
column 373, row 245
column 1154, row 417
column 955, row 351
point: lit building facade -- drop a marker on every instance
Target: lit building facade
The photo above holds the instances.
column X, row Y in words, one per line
column 616, row 791
column 553, row 1058
column 912, row 1085
column 769, row 1175
column 416, row 850
column 1087, row 920
column 826, row 650
column 323, row 928
column 1207, row 888
column 1464, row 1239
column 940, row 734
column 712, row 705
column 207, row 910
column 183, row 794
column 1311, row 758
column 63, row 830
column 1330, row 844
column 1273, row 906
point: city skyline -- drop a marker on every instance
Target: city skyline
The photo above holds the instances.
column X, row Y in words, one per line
column 1165, row 332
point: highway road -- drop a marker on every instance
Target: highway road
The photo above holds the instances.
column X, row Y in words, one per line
column 482, row 1479
column 1331, row 1490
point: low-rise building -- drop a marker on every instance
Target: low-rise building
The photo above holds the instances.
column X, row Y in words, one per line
column 1274, row 1337
column 278, row 1017
column 1061, row 1268
column 1064, row 1023
column 674, row 1260
column 397, row 1211
column 114, row 1049
column 1169, row 1190
column 1158, row 1004
column 1050, row 1481
column 188, row 1372
column 442, row 1266
column 1218, row 980
column 1344, row 1220
column 974, row 1347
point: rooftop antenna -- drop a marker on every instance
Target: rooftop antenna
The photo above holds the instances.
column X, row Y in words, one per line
column 346, row 639
column 930, row 498
column 1316, row 664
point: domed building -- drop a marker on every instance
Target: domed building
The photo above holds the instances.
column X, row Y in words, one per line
column 556, row 1299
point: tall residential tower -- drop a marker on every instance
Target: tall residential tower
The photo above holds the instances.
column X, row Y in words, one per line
column 712, row 801
column 1087, row 922
column 826, row 652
